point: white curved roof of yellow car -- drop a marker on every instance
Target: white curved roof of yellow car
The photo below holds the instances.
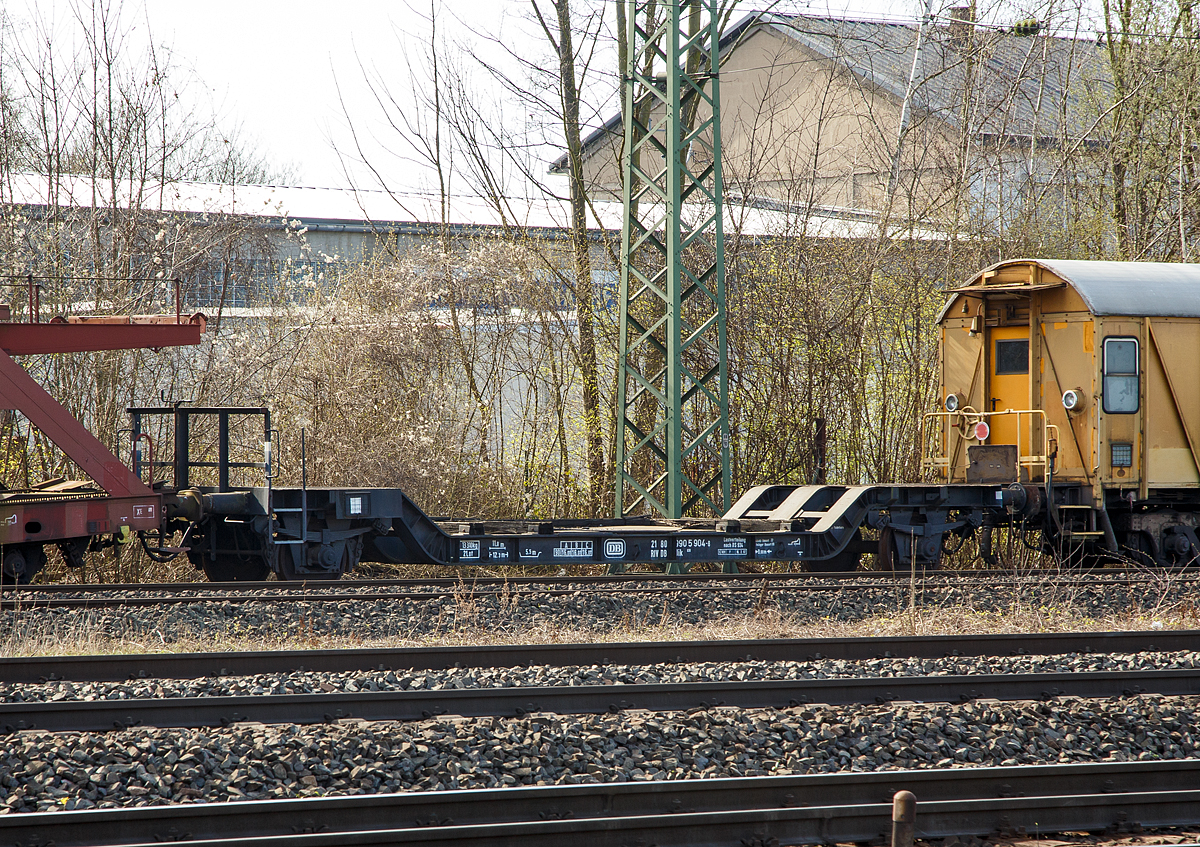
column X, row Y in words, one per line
column 1135, row 289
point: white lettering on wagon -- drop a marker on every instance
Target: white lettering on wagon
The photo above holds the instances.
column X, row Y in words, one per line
column 733, row 548
column 573, row 550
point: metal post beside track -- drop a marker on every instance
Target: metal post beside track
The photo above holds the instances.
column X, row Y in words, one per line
column 904, row 818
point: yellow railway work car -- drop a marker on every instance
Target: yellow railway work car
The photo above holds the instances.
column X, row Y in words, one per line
column 1080, row 379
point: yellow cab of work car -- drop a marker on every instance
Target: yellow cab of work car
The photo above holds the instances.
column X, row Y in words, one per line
column 1081, row 378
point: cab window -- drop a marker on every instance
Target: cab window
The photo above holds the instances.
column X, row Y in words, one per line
column 1121, row 385
column 1012, row 356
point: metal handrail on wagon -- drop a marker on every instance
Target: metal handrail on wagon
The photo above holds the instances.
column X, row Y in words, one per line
column 962, row 421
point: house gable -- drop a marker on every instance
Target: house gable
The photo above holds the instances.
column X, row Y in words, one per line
column 811, row 109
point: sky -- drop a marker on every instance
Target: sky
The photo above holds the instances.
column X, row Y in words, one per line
column 283, row 71
column 286, row 74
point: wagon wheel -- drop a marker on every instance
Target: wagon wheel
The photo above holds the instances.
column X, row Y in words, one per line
column 20, row 564
column 888, row 555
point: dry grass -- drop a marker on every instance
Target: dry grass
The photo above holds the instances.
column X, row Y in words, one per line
column 757, row 624
column 1058, row 607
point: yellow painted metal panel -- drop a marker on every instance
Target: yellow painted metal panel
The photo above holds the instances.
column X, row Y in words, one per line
column 962, row 373
column 1064, row 299
column 1172, row 467
column 960, row 360
column 1173, row 402
column 1070, row 365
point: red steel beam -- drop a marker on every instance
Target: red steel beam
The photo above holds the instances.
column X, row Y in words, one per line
column 45, row 523
column 79, row 335
column 19, row 391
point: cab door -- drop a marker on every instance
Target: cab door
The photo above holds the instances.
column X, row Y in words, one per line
column 1008, row 382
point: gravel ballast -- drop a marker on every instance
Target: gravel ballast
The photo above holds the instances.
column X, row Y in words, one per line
column 314, row 682
column 501, row 612
column 148, row 766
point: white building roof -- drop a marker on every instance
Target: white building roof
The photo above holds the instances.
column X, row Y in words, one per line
column 324, row 208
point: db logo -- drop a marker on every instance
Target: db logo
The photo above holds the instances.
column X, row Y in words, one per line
column 614, row 548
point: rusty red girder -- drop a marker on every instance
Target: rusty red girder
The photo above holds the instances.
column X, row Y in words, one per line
column 83, row 334
column 55, row 520
column 19, row 391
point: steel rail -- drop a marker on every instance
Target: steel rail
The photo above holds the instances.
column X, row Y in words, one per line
column 815, row 825
column 633, row 576
column 100, row 715
column 478, row 807
column 196, row 665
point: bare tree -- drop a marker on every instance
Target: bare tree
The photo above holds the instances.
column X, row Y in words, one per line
column 95, row 135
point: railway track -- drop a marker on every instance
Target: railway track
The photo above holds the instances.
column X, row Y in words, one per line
column 100, row 715
column 409, row 705
column 177, row 747
column 192, row 665
column 824, row 808
column 368, row 615
column 100, row 596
